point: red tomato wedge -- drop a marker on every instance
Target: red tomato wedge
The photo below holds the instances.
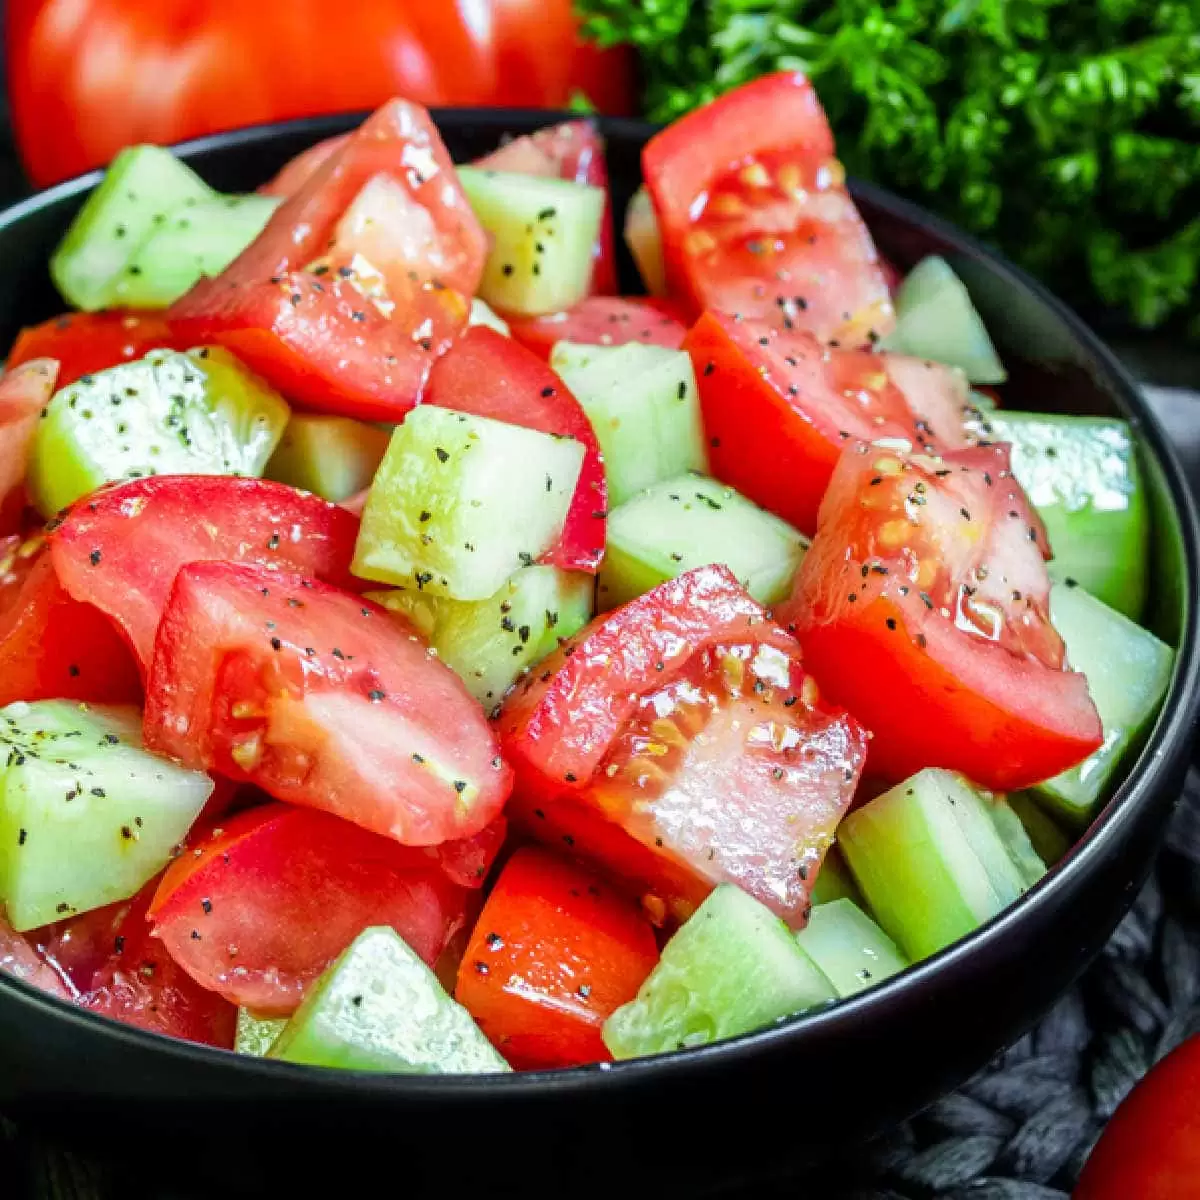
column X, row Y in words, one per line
column 78, row 947
column 756, row 219
column 923, row 607
column 685, row 721
column 573, row 151
column 359, row 281
column 139, row 984
column 86, row 342
column 260, row 906
column 296, row 173
column 19, row 959
column 489, row 375
column 24, row 392
column 779, row 408
column 320, row 698
column 554, row 953
column 603, row 321
column 121, row 549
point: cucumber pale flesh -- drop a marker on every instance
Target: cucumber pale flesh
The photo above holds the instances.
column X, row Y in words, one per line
column 332, row 457
column 848, row 948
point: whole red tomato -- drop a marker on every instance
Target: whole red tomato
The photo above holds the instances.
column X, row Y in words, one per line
column 87, row 77
column 1151, row 1148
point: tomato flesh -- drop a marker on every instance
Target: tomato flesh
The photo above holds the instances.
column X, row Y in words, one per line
column 321, row 699
column 779, row 408
column 756, row 219
column 604, row 321
column 20, row 959
column 24, row 393
column 299, row 170
column 83, row 343
column 488, row 375
column 261, row 905
column 923, row 607
column 554, row 953
column 121, row 548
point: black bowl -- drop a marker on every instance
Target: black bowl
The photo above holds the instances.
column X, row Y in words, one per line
column 685, row 1122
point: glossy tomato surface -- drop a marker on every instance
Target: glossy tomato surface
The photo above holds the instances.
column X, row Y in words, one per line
column 604, row 321
column 24, row 393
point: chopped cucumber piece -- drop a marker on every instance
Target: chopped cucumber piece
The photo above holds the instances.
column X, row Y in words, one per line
column 930, row 861
column 195, row 241
column 87, row 816
column 380, row 1008
column 935, row 319
column 200, row 413
column 143, row 187
column 542, row 232
column 1017, row 841
column 490, row 643
column 733, row 967
column 645, row 242
column 848, row 948
column 483, row 314
column 461, row 502
column 643, row 404
column 256, row 1035
column 691, row 521
column 834, row 881
column 1128, row 672
column 332, row 457
column 1048, row 841
column 1081, row 473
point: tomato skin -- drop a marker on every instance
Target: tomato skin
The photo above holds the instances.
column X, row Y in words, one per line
column 604, row 321
column 24, row 392
column 83, row 343
column 145, row 530
column 296, row 173
column 554, row 953
column 289, row 889
column 756, row 219
column 201, row 71
column 1151, row 1147
column 320, row 698
column 488, row 375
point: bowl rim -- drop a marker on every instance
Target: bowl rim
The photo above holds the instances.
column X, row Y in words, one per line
column 1166, row 746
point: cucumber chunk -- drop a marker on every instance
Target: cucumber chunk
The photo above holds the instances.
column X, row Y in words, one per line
column 195, row 241
column 1016, row 839
column 542, row 232
column 848, row 948
column 1081, row 473
column 930, row 861
column 461, row 502
column 834, row 881
column 491, row 643
column 1049, row 842
column 256, row 1035
column 733, row 967
column 332, row 457
column 200, row 413
column 935, row 319
column 87, row 816
column 483, row 314
column 380, row 1008
column 643, row 404
column 691, row 521
column 645, row 242
column 1128, row 672
column 142, row 188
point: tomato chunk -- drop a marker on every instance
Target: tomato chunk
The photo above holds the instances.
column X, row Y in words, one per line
column 79, row 946
column 24, row 392
column 779, row 408
column 555, row 952
column 296, row 173
column 261, row 905
column 320, row 698
column 685, row 721
column 489, row 375
column 923, row 607
column 86, row 342
column 756, row 219
column 121, row 549
column 359, row 281
column 19, row 958
column 604, row 321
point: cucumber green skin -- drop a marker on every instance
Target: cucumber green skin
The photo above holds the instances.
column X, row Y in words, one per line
column 848, row 948
column 87, row 817
column 834, row 881
column 494, row 497
column 1049, row 842
column 930, row 861
column 689, row 522
column 1017, row 841
column 139, row 191
column 731, row 968
column 644, row 407
column 1128, row 672
column 491, row 643
column 542, row 231
column 199, row 413
column 1082, row 475
column 332, row 457
column 196, row 241
column 256, row 1035
column 380, row 1008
